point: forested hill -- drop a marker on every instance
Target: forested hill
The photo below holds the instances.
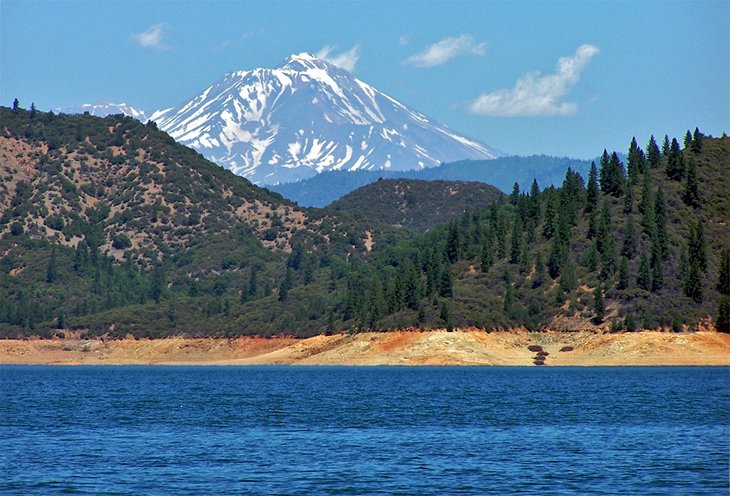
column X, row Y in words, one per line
column 110, row 228
column 415, row 204
column 502, row 172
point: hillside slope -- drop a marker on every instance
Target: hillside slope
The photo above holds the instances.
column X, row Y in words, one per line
column 415, row 204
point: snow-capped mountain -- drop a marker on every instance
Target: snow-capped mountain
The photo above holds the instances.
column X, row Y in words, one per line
column 308, row 116
column 105, row 108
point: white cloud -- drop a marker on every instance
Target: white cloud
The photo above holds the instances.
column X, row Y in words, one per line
column 404, row 40
column 152, row 37
column 536, row 95
column 347, row 60
column 445, row 50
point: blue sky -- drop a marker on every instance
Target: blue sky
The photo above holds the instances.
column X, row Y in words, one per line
column 561, row 78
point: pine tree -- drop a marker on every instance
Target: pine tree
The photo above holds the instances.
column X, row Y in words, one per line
column 722, row 321
column 599, row 308
column 509, row 300
column 629, row 199
column 630, row 239
column 723, row 273
column 514, row 198
column 286, row 285
column 591, row 190
column 16, row 105
column 605, row 243
column 697, row 141
column 675, row 162
column 691, row 195
column 665, row 146
column 660, row 223
column 52, row 266
column 698, row 246
column 516, row 247
column 568, row 281
column 253, row 284
column 657, row 272
column 32, row 111
column 623, row 274
column 636, row 161
column 444, row 313
column 538, row 278
column 556, row 257
column 693, row 282
column 590, row 258
column 653, row 155
column 453, row 243
column 550, row 221
column 446, row 283
column 643, row 280
column 688, row 139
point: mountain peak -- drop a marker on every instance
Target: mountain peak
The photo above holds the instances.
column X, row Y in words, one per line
column 304, row 61
column 307, row 116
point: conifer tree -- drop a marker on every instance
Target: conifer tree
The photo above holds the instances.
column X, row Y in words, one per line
column 643, row 280
column 688, row 139
column 453, row 243
column 623, row 274
column 636, row 162
column 605, row 243
column 693, row 282
column 516, row 247
column 446, row 282
column 52, row 266
column 723, row 273
column 630, row 239
column 660, row 223
column 697, row 141
column 675, row 162
column 629, row 199
column 604, row 172
column 599, row 308
column 551, row 217
column 514, row 197
column 32, row 110
column 555, row 259
column 698, row 246
column 590, row 258
column 691, row 195
column 16, row 105
column 538, row 278
column 592, row 189
column 657, row 272
column 665, row 146
column 653, row 154
column 722, row 321
column 568, row 280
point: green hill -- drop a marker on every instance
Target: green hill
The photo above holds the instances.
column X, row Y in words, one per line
column 415, row 204
column 111, row 228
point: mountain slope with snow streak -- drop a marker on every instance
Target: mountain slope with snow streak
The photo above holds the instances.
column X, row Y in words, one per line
column 308, row 116
column 104, row 109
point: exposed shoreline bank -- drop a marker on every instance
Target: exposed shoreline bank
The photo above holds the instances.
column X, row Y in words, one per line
column 464, row 347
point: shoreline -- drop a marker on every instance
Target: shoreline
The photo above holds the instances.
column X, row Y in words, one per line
column 409, row 348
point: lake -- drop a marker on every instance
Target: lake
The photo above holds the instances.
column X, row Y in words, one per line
column 364, row 430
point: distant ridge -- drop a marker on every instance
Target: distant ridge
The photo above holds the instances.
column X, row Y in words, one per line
column 502, row 172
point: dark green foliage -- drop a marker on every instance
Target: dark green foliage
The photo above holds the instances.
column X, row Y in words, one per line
column 723, row 273
column 516, row 246
column 623, row 274
column 630, row 323
column 631, row 241
column 592, row 189
column 121, row 241
column 693, row 282
column 697, row 247
column 675, row 162
column 660, row 224
column 697, row 141
column 415, row 204
column 636, row 162
column 643, row 280
column 599, row 308
column 612, row 174
column 722, row 321
column 51, row 272
column 653, row 154
column 691, row 195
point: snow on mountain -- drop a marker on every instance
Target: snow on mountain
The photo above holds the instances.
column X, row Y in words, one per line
column 308, row 116
column 104, row 109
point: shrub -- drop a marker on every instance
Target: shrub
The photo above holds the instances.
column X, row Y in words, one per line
column 121, row 241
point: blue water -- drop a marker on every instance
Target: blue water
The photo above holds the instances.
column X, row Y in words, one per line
column 347, row 430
